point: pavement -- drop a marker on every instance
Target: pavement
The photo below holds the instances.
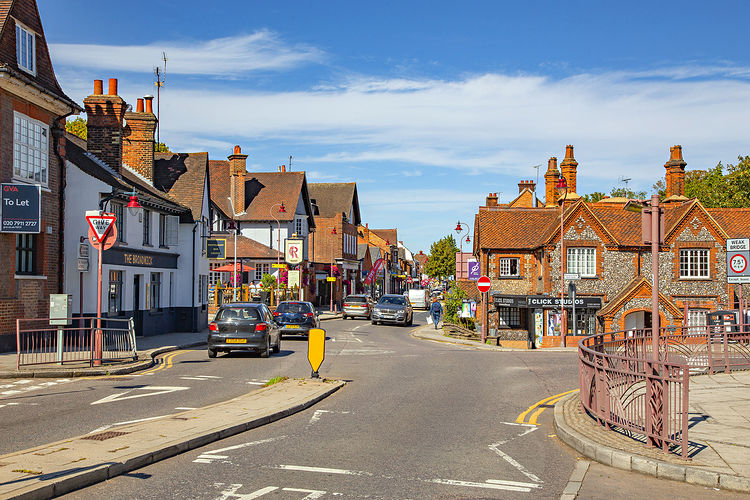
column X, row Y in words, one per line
column 430, row 333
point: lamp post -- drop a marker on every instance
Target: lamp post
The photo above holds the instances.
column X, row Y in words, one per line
column 233, row 226
column 333, row 233
column 562, row 192
column 133, row 208
column 281, row 210
column 459, row 227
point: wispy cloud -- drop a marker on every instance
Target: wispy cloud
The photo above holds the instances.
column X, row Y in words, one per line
column 259, row 51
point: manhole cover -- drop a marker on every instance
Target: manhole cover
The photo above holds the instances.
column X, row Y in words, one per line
column 105, row 435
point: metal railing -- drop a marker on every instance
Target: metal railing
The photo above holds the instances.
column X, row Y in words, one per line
column 39, row 342
column 622, row 385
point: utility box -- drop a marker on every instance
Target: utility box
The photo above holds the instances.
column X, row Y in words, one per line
column 60, row 309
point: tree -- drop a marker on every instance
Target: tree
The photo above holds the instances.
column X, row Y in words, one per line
column 441, row 262
column 593, row 197
column 716, row 188
column 160, row 147
column 625, row 192
column 77, row 126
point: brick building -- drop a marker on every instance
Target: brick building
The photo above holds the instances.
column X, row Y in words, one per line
column 33, row 108
column 519, row 248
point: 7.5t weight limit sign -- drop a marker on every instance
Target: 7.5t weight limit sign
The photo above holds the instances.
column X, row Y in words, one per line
column 738, row 254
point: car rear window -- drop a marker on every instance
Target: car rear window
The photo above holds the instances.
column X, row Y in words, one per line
column 355, row 298
column 244, row 313
column 397, row 300
column 293, row 307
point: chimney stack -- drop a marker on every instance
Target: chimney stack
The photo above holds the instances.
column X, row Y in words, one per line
column 675, row 175
column 568, row 169
column 550, row 181
column 104, row 124
column 491, row 200
column 237, row 171
column 138, row 139
column 526, row 185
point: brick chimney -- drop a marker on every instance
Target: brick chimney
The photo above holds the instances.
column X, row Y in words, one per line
column 550, row 181
column 568, row 169
column 105, row 113
column 526, row 185
column 491, row 200
column 675, row 174
column 237, row 173
column 138, row 139
column 366, row 232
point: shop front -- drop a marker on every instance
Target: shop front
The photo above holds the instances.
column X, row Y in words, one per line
column 547, row 320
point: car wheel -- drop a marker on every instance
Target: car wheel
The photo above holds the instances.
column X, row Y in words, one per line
column 277, row 347
column 267, row 351
column 211, row 353
column 343, row 317
column 411, row 321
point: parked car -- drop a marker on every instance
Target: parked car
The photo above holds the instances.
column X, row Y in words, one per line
column 392, row 308
column 358, row 306
column 419, row 298
column 296, row 317
column 243, row 326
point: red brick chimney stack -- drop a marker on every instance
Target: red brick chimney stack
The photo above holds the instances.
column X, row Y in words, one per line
column 104, row 128
column 568, row 169
column 526, row 185
column 138, row 139
column 491, row 200
column 550, row 181
column 237, row 171
column 675, row 174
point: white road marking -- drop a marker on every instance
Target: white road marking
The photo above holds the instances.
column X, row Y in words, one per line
column 316, row 416
column 496, row 448
column 10, row 393
column 363, row 352
column 313, row 494
column 324, row 470
column 257, row 383
column 231, row 492
column 105, row 427
column 357, row 339
column 184, row 408
column 48, row 384
column 453, row 482
column 192, row 378
column 206, row 458
column 153, row 390
column 200, row 377
column 21, row 382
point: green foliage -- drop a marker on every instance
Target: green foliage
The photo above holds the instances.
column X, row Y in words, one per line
column 721, row 187
column 453, row 302
column 268, row 282
column 275, row 380
column 441, row 262
column 625, row 192
column 77, row 126
column 593, row 197
column 160, row 147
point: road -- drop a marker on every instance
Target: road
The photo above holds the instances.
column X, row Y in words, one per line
column 417, row 419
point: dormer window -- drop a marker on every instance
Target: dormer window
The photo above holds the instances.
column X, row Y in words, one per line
column 25, row 49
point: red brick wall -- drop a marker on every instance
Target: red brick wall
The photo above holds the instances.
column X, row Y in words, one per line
column 138, row 143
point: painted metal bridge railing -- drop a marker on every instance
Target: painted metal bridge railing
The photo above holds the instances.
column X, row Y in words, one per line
column 622, row 385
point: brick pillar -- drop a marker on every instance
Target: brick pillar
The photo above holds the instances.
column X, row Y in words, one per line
column 105, row 113
column 568, row 169
column 138, row 139
column 237, row 171
column 550, row 181
column 675, row 172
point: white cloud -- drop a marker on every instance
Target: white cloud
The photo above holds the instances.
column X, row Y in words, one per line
column 259, row 51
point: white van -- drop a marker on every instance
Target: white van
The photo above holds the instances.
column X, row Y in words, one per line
column 419, row 298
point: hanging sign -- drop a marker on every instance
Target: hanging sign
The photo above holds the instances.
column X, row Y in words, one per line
column 293, row 251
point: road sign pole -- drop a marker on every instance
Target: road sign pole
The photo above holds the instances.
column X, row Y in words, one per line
column 98, row 333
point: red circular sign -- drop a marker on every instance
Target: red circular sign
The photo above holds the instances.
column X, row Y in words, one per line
column 483, row 284
column 738, row 263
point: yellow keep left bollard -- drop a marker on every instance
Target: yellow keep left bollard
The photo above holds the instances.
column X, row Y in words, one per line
column 316, row 349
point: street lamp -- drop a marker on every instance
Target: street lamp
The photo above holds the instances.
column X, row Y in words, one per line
column 234, row 230
column 562, row 194
column 459, row 227
column 333, row 233
column 281, row 210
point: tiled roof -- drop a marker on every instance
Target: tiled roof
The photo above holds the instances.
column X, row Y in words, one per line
column 183, row 176
column 387, row 235
column 333, row 198
column 735, row 221
column 218, row 174
column 4, row 11
column 623, row 225
column 248, row 248
column 516, row 228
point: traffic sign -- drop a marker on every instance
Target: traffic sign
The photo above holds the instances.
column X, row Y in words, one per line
column 316, row 349
column 571, row 276
column 109, row 239
column 100, row 224
column 483, row 284
column 738, row 263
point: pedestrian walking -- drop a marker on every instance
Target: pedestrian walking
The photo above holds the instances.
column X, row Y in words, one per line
column 436, row 310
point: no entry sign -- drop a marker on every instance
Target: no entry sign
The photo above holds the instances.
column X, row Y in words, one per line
column 483, row 284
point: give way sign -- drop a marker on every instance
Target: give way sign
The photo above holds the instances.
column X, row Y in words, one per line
column 100, row 224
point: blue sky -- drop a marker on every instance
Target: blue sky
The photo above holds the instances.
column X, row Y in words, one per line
column 427, row 105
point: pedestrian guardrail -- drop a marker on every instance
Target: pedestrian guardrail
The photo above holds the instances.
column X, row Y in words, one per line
column 622, row 385
column 82, row 340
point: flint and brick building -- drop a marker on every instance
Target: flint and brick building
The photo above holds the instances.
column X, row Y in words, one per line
column 519, row 248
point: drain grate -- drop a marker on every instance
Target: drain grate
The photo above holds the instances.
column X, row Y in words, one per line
column 105, row 435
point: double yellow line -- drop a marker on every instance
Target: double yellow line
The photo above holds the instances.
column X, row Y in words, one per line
column 164, row 362
column 537, row 408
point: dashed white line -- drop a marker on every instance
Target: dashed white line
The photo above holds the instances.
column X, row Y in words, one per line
column 207, row 457
column 10, row 393
column 452, row 482
column 105, row 427
column 185, row 408
column 324, row 470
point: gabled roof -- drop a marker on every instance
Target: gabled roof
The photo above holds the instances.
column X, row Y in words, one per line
column 44, row 80
column 362, row 249
column 218, row 173
column 638, row 287
column 248, row 248
column 735, row 221
column 387, row 235
column 578, row 209
column 692, row 206
column 333, row 198
column 183, row 177
column 515, row 228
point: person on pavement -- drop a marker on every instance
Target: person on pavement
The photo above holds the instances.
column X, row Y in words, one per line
column 436, row 310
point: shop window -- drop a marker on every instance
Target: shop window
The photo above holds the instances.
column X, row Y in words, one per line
column 155, row 291
column 508, row 317
column 260, row 270
column 697, row 320
column 30, row 149
column 26, row 254
column 119, row 210
column 694, row 263
column 585, row 322
column 508, row 267
column 582, row 260
column 115, row 293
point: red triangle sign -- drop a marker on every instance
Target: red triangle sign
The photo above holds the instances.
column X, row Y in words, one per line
column 100, row 224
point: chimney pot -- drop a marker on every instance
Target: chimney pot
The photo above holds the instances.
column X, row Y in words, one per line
column 569, row 151
column 112, row 86
column 98, row 87
column 139, row 106
column 283, row 168
column 237, row 150
column 149, row 100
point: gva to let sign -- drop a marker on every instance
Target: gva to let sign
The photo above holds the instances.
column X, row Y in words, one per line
column 20, row 208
